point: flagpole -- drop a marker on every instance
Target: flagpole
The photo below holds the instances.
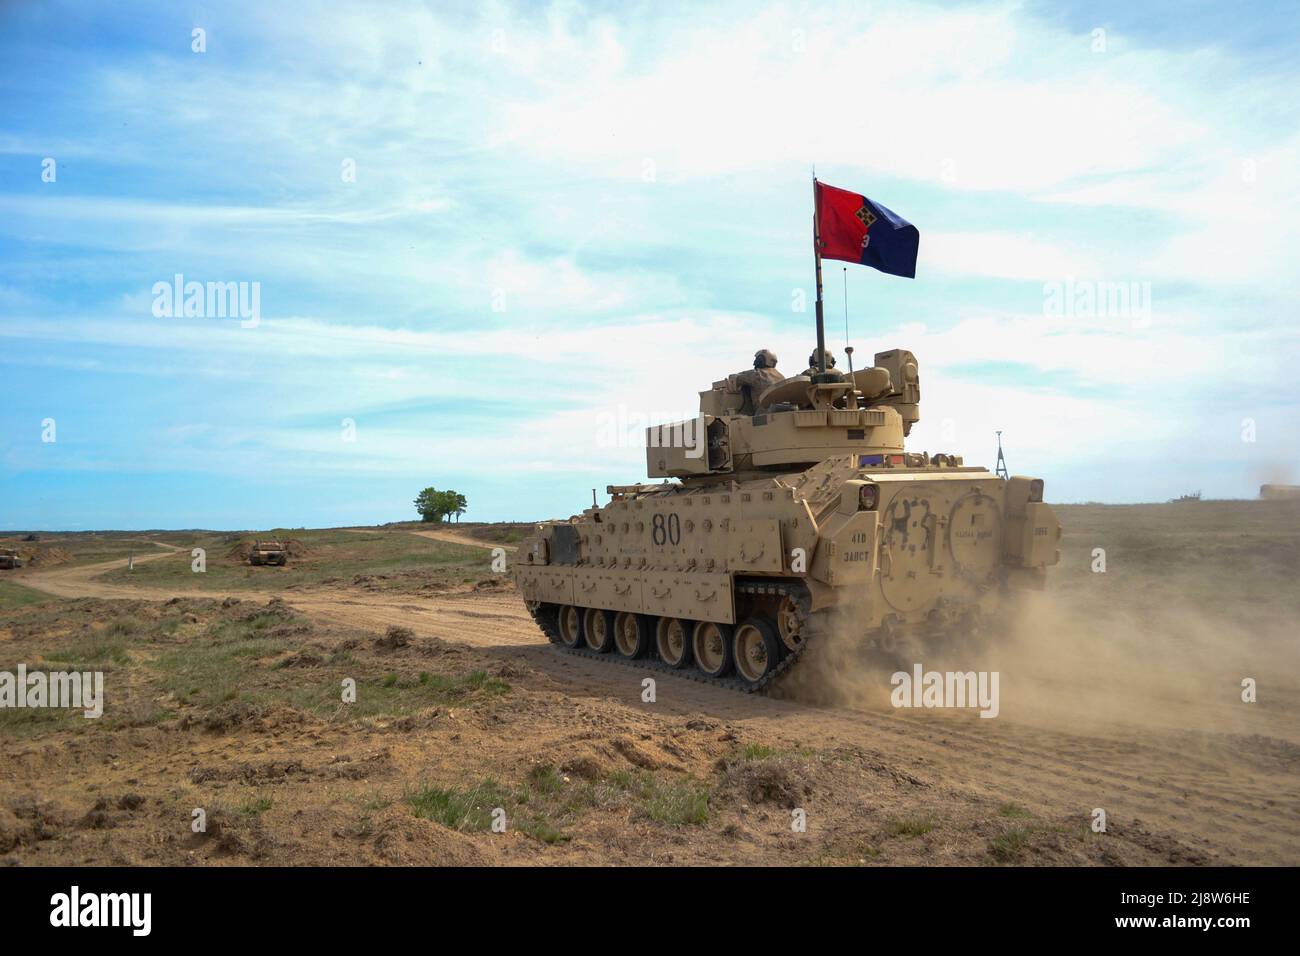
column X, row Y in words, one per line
column 817, row 254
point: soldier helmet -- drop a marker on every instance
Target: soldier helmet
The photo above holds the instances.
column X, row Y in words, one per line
column 764, row 359
column 812, row 359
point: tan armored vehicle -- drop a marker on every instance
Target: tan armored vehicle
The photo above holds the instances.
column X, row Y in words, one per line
column 773, row 527
column 1279, row 492
column 9, row 559
column 268, row 552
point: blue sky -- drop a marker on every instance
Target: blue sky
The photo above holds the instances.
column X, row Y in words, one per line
column 567, row 219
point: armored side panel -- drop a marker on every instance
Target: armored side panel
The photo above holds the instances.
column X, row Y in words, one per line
column 807, row 515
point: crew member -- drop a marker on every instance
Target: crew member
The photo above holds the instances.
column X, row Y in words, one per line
column 755, row 381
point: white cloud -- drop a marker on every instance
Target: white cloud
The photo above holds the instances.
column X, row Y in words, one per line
column 512, row 162
column 1008, row 101
column 1002, row 255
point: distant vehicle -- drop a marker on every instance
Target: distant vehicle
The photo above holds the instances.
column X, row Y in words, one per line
column 1279, row 492
column 9, row 560
column 1194, row 496
column 269, row 552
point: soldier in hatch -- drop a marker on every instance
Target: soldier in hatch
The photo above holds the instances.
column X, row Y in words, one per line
column 812, row 368
column 755, row 381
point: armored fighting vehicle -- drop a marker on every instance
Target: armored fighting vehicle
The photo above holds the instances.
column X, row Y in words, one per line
column 268, row 552
column 769, row 529
column 9, row 559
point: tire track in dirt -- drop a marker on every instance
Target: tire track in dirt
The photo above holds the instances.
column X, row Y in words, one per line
column 1228, row 810
column 1042, row 770
column 457, row 537
column 78, row 582
column 1131, row 778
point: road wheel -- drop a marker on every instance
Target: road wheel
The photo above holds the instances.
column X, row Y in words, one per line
column 789, row 623
column 757, row 649
column 598, row 629
column 712, row 647
column 570, row 626
column 633, row 634
column 673, row 641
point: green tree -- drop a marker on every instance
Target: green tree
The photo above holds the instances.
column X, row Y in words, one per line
column 434, row 505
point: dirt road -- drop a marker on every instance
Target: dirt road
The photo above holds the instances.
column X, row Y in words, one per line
column 77, row 582
column 1205, row 796
column 458, row 537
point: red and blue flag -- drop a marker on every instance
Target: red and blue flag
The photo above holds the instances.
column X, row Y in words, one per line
column 852, row 228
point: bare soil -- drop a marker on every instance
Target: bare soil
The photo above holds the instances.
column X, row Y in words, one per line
column 1121, row 691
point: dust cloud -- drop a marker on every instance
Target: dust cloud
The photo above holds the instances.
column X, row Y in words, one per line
column 1073, row 664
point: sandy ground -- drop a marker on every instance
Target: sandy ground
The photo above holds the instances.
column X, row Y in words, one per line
column 1222, row 786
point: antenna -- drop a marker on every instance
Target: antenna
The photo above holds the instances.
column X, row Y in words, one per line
column 1001, row 470
column 848, row 349
column 846, row 305
column 817, row 262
